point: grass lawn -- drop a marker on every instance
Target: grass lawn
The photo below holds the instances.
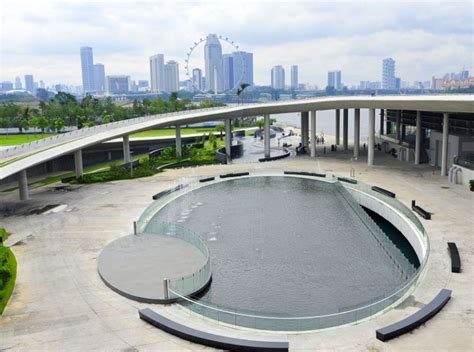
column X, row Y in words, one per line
column 15, row 139
column 7, row 272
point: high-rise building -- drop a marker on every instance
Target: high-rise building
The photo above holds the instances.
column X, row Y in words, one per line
column 388, row 74
column 228, row 71
column 171, row 77
column 243, row 68
column 142, row 83
column 6, row 86
column 197, row 79
column 30, row 84
column 157, row 73
column 18, row 83
column 41, row 84
column 213, row 64
column 464, row 74
column 294, row 77
column 99, row 78
column 334, row 80
column 87, row 67
column 117, row 84
column 278, row 77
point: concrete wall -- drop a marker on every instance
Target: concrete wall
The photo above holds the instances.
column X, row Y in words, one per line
column 409, row 230
column 436, row 142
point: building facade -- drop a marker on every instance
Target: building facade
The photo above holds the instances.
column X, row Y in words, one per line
column 228, row 71
column 87, row 68
column 334, row 80
column 157, row 73
column 388, row 74
column 171, row 76
column 197, row 79
column 117, row 84
column 18, row 84
column 278, row 77
column 243, row 68
column 99, row 78
column 294, row 77
column 30, row 84
column 213, row 64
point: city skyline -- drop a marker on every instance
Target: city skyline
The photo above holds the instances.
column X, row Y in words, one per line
column 422, row 46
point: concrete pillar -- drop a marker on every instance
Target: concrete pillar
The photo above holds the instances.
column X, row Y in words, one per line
column 387, row 124
column 370, row 156
column 444, row 147
column 266, row 135
column 126, row 149
column 345, row 129
column 382, row 116
column 228, row 139
column 404, row 131
column 338, row 114
column 23, row 185
column 78, row 163
column 418, row 138
column 399, row 115
column 304, row 128
column 178, row 142
column 313, row 133
column 356, row 132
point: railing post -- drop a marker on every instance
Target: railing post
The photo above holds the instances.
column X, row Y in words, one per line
column 165, row 289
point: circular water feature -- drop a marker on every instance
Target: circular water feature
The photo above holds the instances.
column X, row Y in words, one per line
column 291, row 247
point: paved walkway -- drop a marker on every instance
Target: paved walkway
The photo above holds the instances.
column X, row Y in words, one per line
column 136, row 266
column 60, row 303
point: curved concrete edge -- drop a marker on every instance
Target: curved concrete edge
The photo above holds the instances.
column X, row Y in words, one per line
column 208, row 339
column 153, row 300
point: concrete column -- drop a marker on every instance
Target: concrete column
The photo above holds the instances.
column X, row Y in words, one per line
column 338, row 114
column 404, row 131
column 228, row 140
column 370, row 156
column 444, row 147
column 304, row 128
column 78, row 163
column 266, row 135
column 356, row 132
column 382, row 116
column 178, row 142
column 345, row 129
column 126, row 149
column 387, row 124
column 399, row 115
column 313, row 133
column 418, row 138
column 23, row 185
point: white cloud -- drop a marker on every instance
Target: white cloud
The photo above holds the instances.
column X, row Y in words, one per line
column 425, row 37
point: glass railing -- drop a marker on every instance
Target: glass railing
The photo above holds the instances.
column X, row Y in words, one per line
column 194, row 282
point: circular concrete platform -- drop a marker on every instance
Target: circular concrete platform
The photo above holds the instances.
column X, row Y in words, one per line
column 135, row 265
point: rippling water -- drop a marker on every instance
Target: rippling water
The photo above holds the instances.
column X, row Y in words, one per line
column 284, row 246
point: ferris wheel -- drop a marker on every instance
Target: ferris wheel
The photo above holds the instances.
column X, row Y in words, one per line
column 235, row 48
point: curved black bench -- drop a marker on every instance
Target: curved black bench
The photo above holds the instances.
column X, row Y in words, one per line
column 383, row 191
column 304, row 173
column 455, row 258
column 422, row 212
column 348, row 180
column 273, row 158
column 207, row 339
column 168, row 191
column 207, row 179
column 416, row 319
column 235, row 174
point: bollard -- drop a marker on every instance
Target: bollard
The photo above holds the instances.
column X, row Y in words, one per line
column 165, row 289
column 134, row 227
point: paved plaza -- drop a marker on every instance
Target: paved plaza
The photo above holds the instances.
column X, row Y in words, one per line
column 60, row 302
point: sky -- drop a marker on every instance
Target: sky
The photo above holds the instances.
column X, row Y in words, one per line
column 425, row 38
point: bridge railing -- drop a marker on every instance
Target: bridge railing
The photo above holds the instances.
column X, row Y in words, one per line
column 88, row 131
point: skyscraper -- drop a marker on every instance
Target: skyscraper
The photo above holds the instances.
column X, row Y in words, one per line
column 334, row 79
column 278, row 77
column 294, row 77
column 171, row 76
column 197, row 79
column 228, row 71
column 17, row 83
column 157, row 73
column 213, row 64
column 29, row 84
column 388, row 73
column 243, row 68
column 99, row 78
column 87, row 66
